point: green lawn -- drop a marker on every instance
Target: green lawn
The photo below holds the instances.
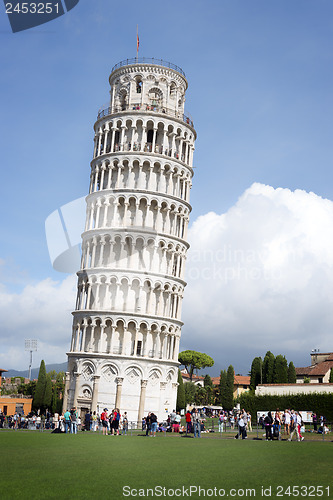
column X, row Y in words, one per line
column 39, row 465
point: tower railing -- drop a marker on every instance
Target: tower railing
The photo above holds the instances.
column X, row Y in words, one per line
column 147, row 60
column 145, row 107
column 145, row 147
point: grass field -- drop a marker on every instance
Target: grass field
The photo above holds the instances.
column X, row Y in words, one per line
column 41, row 465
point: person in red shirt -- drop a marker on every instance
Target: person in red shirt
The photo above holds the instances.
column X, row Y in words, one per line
column 104, row 419
column 188, row 419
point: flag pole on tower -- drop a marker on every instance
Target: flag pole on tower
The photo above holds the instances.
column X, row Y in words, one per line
column 137, row 42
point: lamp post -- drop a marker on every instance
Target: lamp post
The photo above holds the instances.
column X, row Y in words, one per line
column 30, row 345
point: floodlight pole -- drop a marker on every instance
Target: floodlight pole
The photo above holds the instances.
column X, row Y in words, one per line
column 30, row 345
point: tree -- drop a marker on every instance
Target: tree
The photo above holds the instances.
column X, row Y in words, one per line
column 200, row 395
column 209, row 388
column 180, row 393
column 229, row 396
column 53, row 374
column 280, row 370
column 190, row 390
column 268, row 368
column 38, row 400
column 291, row 373
column 48, row 393
column 223, row 387
column 256, row 373
column 58, row 391
column 208, row 381
column 194, row 360
column 28, row 389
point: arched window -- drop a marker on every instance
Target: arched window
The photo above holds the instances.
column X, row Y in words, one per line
column 155, row 96
column 150, row 135
column 122, row 99
column 138, row 86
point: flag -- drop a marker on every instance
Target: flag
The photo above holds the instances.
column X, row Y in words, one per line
column 137, row 42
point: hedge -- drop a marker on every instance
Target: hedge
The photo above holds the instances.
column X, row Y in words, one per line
column 321, row 404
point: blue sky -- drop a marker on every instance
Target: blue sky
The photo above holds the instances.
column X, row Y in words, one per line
column 260, row 93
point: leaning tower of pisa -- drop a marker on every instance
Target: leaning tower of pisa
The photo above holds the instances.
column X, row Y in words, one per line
column 127, row 319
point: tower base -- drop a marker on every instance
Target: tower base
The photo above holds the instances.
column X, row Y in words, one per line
column 95, row 382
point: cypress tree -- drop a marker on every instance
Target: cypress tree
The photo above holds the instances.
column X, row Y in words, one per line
column 280, row 370
column 223, row 387
column 229, row 400
column 268, row 368
column 256, row 373
column 57, row 394
column 38, row 400
column 190, row 391
column 291, row 373
column 209, row 388
column 54, row 404
column 48, row 393
column 180, row 405
column 208, row 381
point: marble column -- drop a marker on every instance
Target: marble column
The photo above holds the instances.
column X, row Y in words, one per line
column 95, row 393
column 162, row 412
column 119, row 382
column 77, row 387
column 66, row 391
column 142, row 400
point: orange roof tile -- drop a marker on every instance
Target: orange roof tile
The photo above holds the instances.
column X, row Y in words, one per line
column 238, row 380
column 242, row 380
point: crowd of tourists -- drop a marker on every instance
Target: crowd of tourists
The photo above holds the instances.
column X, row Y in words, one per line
column 275, row 424
column 20, row 421
column 290, row 424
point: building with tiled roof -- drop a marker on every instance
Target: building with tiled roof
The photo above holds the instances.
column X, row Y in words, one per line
column 14, row 403
column 319, row 370
column 196, row 379
column 318, row 374
column 241, row 384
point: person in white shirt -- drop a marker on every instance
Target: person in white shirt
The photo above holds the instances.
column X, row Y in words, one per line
column 295, row 420
column 286, row 418
column 299, row 425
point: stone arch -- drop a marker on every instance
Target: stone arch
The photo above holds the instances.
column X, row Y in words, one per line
column 88, row 370
column 134, row 295
column 133, row 374
column 124, row 293
column 109, row 372
column 155, row 375
column 138, row 83
column 118, row 340
column 170, row 376
column 122, row 98
column 172, row 89
column 86, row 392
column 155, row 96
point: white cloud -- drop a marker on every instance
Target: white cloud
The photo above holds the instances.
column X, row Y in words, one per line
column 261, row 277
column 41, row 311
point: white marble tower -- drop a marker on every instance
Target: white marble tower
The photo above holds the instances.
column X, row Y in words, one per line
column 127, row 319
